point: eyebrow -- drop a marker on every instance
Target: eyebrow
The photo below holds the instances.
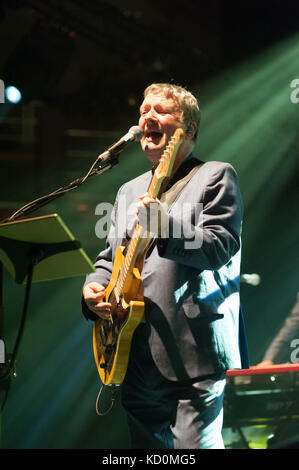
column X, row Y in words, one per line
column 162, row 105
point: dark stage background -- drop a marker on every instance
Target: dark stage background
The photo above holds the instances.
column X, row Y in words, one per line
column 81, row 66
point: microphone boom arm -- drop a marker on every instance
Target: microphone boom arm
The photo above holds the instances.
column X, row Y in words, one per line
column 108, row 160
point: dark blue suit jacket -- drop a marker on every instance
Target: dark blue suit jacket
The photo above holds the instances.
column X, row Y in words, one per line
column 191, row 277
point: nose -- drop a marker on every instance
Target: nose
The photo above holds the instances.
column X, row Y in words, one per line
column 150, row 115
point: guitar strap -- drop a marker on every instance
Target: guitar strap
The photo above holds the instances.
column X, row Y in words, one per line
column 178, row 182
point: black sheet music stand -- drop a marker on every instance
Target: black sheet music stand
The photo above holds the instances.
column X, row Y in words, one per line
column 34, row 250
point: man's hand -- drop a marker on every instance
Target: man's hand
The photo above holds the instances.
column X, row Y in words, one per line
column 94, row 294
column 153, row 216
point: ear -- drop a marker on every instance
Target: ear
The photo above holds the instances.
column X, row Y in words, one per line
column 191, row 130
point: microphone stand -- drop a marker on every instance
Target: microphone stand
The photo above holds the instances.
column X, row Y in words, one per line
column 108, row 160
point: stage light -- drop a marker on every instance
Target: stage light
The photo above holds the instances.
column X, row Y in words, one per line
column 13, row 94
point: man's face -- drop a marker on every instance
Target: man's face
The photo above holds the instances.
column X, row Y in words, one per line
column 159, row 118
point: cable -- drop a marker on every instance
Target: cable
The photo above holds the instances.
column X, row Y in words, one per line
column 113, row 398
column 8, row 372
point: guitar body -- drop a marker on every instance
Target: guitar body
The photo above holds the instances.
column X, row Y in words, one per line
column 112, row 340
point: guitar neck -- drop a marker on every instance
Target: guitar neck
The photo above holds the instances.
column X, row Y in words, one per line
column 141, row 238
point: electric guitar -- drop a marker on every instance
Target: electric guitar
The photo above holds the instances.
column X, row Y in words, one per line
column 112, row 338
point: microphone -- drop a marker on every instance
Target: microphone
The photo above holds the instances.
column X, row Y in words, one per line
column 252, row 279
column 133, row 135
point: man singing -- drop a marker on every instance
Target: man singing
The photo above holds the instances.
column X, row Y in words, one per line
column 193, row 329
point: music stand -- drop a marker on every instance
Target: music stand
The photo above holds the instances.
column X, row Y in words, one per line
column 34, row 250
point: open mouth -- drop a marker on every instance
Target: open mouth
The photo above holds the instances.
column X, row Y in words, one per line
column 153, row 136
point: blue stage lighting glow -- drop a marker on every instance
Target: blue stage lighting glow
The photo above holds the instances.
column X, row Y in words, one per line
column 13, row 94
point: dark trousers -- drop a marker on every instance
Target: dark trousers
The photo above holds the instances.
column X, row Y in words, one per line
column 163, row 414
